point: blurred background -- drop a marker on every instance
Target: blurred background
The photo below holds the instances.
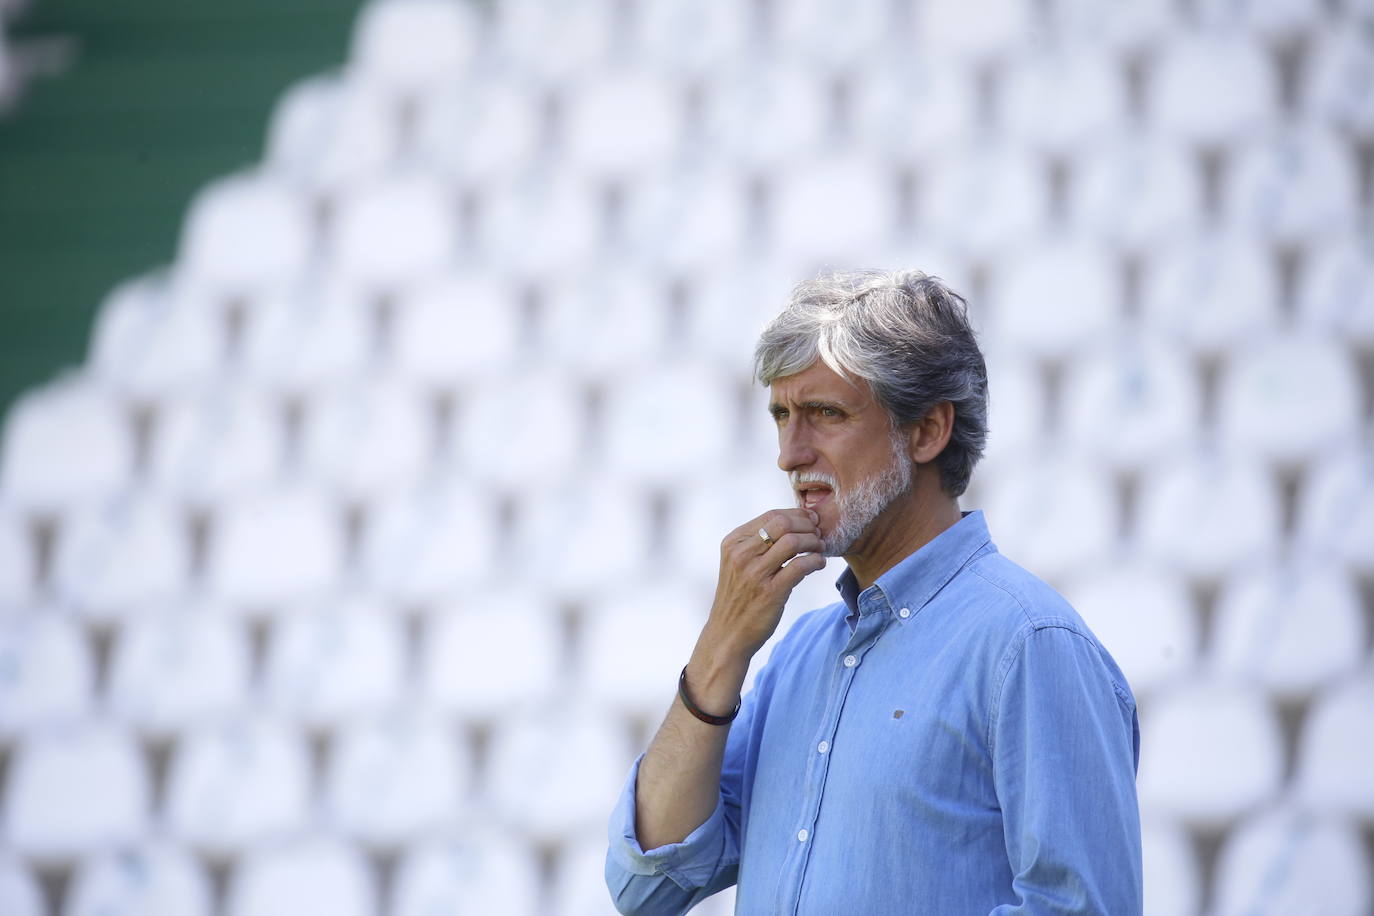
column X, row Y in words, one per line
column 377, row 391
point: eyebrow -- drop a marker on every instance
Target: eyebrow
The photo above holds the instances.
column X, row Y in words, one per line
column 777, row 407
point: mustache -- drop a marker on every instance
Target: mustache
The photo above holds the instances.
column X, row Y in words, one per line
column 797, row 478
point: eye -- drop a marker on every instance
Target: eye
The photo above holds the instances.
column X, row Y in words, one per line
column 829, row 412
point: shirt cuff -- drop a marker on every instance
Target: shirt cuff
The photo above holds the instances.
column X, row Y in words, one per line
column 691, row 864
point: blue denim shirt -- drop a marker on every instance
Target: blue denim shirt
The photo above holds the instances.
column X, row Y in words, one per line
column 953, row 740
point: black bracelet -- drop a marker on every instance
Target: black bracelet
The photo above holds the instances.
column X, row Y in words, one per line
column 694, row 710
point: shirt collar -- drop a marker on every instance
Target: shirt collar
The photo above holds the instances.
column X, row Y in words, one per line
column 916, row 579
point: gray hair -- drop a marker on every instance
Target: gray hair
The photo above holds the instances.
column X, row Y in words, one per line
column 906, row 334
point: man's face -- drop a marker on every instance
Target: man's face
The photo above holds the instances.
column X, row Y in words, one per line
column 840, row 452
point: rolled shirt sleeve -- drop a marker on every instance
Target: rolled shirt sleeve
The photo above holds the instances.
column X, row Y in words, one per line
column 1065, row 746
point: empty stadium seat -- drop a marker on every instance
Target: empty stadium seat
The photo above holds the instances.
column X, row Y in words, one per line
column 623, row 121
column 178, row 666
column 579, row 879
column 17, row 566
column 66, row 444
column 299, row 343
column 1210, row 752
column 226, row 442
column 1144, row 616
column 720, row 30
column 1335, row 516
column 1341, row 58
column 635, row 641
column 476, row 133
column 461, row 669
column 1284, row 861
column 310, row 874
column 1017, row 414
column 1335, row 772
column 277, row 547
column 327, row 132
column 1173, row 885
column 1291, row 629
column 20, row 894
column 75, row 790
column 1131, row 403
column 1208, row 514
column 370, row 436
column 1336, row 290
column 985, row 201
column 585, row 534
column 1060, row 102
column 236, row 784
column 479, row 870
column 463, row 326
column 1275, row 19
column 914, row 108
column 556, row 45
column 1211, row 292
column 1299, row 185
column 430, row 540
column 981, row 30
column 1290, row 398
column 115, row 559
column 606, row 324
column 147, row 340
column 393, row 232
column 147, row 880
column 702, row 517
column 335, row 660
column 48, row 671
column 765, row 114
column 1128, row 28
column 406, row 46
column 549, row 224
column 833, row 34
column 1213, row 88
column 241, row 235
column 396, row 777
column 689, row 219
column 1056, row 298
column 648, row 433
column 833, row 209
column 1137, row 190
column 547, row 801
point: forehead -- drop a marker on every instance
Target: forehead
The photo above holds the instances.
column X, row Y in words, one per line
column 818, row 382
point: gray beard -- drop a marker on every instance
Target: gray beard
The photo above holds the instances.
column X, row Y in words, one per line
column 861, row 505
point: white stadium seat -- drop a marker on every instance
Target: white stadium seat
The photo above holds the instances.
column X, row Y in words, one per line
column 1142, row 24
column 476, row 133
column 986, row 200
column 147, row 880
column 148, row 340
column 225, row 442
column 1211, row 292
column 461, row 327
column 623, row 121
column 833, row 209
column 407, row 46
column 327, row 132
column 549, row 224
column 1173, row 886
column 393, row 232
column 1335, row 772
column 463, row 673
column 979, row 30
column 479, row 871
column 1137, row 189
column 721, row 31
column 606, row 323
column 371, row 436
column 276, row 547
column 49, row 671
column 17, row 566
column 308, row 875
column 1059, row 103
column 648, row 436
column 1341, row 58
column 1336, row 509
column 1275, row 19
column 584, row 533
column 1017, row 412
column 1210, row 752
column 117, row 558
column 1144, row 616
column 1283, row 861
column 690, row 218
column 1291, row 630
column 75, row 790
column 1300, row 185
column 555, row 44
column 1311, row 379
column 236, row 784
column 244, row 234
column 178, row 666
column 556, row 772
column 765, row 114
column 1213, row 88
column 916, row 107
column 1132, row 403
column 833, row 34
column 20, row 893
column 579, row 879
column 333, row 661
column 703, row 516
column 303, row 342
column 1056, row 299
column 634, row 642
column 1208, row 514
column 69, row 443
column 1336, row 290
column 396, row 777
column 431, row 539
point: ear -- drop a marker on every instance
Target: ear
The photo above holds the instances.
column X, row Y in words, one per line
column 928, row 436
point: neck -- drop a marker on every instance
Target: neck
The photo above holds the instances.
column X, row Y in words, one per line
column 908, row 524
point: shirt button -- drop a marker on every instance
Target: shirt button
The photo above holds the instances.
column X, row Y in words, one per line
column 823, row 746
column 850, row 661
column 904, row 613
column 802, row 835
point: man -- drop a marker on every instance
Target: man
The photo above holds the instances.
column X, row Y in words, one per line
column 949, row 738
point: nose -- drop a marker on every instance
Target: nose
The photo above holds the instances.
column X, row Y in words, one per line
column 794, row 447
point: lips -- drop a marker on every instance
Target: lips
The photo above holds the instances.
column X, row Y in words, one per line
column 811, row 497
